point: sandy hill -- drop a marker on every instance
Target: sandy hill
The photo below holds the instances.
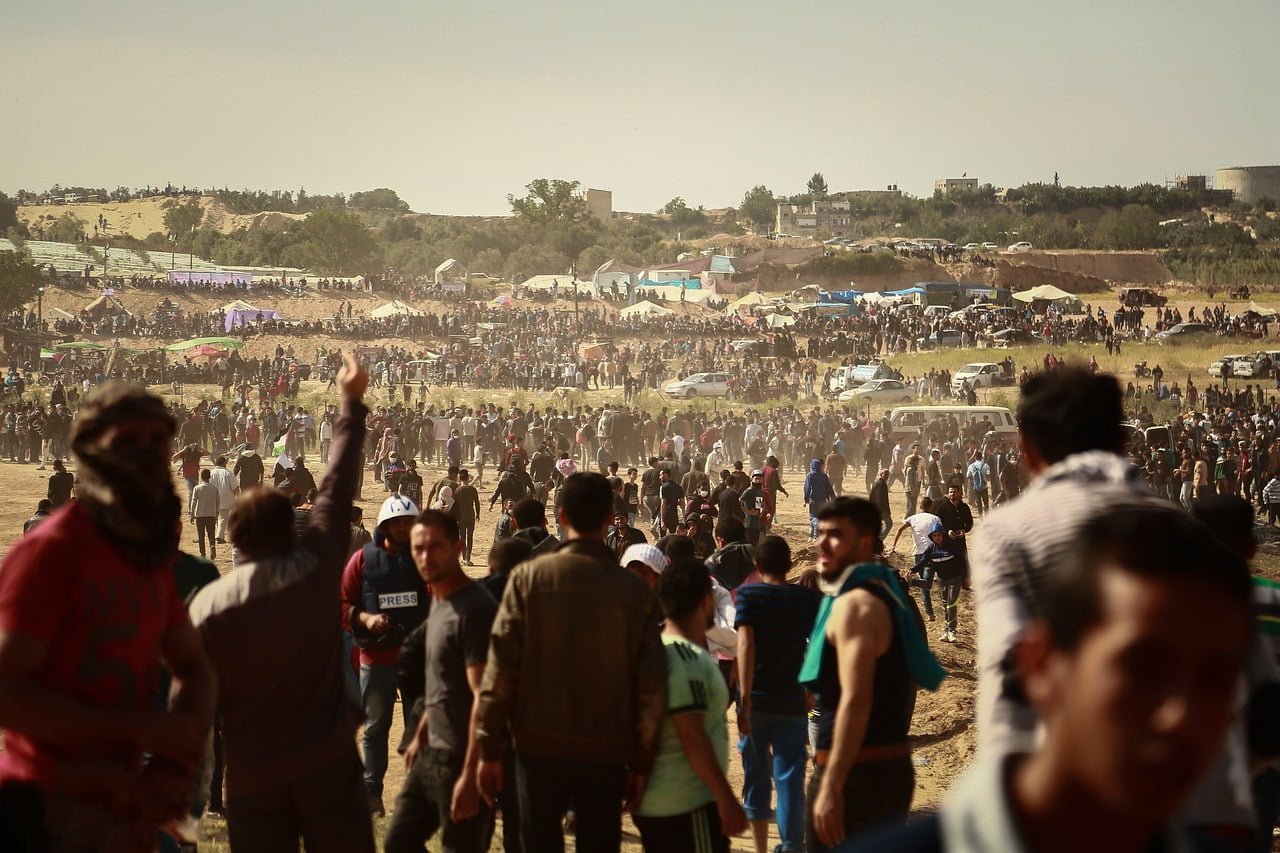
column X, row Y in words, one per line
column 142, row 217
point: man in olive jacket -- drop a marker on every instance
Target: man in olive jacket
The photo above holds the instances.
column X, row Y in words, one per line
column 577, row 679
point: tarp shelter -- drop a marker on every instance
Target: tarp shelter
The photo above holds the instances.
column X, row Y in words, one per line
column 779, row 321
column 229, row 343
column 106, row 306
column 645, row 309
column 450, row 270
column 82, row 345
column 748, row 303
column 59, row 314
column 394, row 308
column 1049, row 295
column 240, row 313
column 1258, row 311
column 209, row 277
column 561, row 285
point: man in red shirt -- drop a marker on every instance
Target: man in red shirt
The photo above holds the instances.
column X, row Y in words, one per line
column 88, row 612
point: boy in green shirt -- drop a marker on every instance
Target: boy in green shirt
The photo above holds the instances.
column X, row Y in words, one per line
column 688, row 804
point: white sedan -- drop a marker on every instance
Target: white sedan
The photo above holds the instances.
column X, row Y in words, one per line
column 699, row 385
column 880, row 391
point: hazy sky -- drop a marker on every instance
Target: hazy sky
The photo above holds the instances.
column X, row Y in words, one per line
column 457, row 104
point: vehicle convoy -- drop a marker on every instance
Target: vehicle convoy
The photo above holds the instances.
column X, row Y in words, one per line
column 980, row 375
column 699, row 385
column 880, row 391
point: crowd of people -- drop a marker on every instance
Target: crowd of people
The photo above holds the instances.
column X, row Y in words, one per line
column 637, row 594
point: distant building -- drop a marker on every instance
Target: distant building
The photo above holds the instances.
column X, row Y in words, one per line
column 600, row 204
column 1205, row 194
column 1250, row 183
column 832, row 215
column 947, row 186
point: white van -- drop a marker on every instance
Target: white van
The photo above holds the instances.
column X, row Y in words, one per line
column 905, row 422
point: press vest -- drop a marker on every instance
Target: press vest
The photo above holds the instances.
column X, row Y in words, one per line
column 391, row 585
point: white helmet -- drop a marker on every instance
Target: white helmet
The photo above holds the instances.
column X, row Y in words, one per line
column 396, row 506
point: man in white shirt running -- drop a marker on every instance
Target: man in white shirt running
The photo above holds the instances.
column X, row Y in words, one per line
column 920, row 524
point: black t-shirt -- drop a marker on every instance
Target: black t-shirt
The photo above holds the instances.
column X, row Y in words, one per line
column 457, row 637
column 753, row 498
column 60, row 484
column 649, row 481
column 672, row 495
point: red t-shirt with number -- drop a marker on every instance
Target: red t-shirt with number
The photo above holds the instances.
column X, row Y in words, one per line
column 102, row 619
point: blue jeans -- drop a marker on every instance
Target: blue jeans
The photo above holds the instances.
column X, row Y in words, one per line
column 378, row 695
column 774, row 753
column 924, row 583
column 813, row 526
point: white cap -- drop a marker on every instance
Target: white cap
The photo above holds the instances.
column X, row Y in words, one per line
column 647, row 554
column 396, row 506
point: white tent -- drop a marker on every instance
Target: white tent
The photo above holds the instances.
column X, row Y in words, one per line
column 747, row 304
column 450, row 270
column 645, row 309
column 1258, row 311
column 1045, row 293
column 779, row 321
column 237, row 305
column 394, row 308
column 561, row 284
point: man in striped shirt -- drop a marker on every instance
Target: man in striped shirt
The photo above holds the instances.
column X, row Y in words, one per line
column 1070, row 442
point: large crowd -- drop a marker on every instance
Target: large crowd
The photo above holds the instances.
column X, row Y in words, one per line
column 638, row 592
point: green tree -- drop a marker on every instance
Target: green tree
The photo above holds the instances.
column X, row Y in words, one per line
column 19, row 280
column 550, row 200
column 817, row 184
column 337, row 243
column 9, row 215
column 379, row 199
column 68, row 228
column 759, row 207
column 182, row 219
column 680, row 214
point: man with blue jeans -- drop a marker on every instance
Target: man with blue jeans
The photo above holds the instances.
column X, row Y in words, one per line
column 383, row 600
column 774, row 619
column 920, row 524
column 817, row 491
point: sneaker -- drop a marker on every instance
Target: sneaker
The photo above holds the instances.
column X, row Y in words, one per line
column 951, row 636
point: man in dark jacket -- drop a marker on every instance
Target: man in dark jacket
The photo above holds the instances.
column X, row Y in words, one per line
column 583, row 708
column 817, row 491
column 734, row 558
column 249, row 469
column 879, row 497
column 957, row 520
column 529, row 522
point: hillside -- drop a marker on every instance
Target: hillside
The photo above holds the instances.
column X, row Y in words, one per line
column 142, row 217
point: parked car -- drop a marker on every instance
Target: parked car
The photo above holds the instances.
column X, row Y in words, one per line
column 699, row 385
column 972, row 247
column 1021, row 246
column 880, row 390
column 1013, row 337
column 1215, row 369
column 979, row 375
column 990, row 247
column 850, row 377
column 1183, row 331
column 939, row 340
column 1258, row 365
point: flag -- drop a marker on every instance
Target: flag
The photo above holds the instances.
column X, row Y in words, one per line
column 278, row 447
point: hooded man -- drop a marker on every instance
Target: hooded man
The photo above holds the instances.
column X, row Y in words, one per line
column 817, row 491
column 529, row 522
column 383, row 600
column 249, row 469
column 89, row 613
column 717, row 459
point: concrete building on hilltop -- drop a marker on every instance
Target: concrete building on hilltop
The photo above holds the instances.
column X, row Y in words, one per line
column 947, row 186
column 600, row 204
column 1250, row 183
column 830, row 216
column 1204, row 192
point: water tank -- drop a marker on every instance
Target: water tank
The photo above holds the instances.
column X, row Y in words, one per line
column 1250, row 183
